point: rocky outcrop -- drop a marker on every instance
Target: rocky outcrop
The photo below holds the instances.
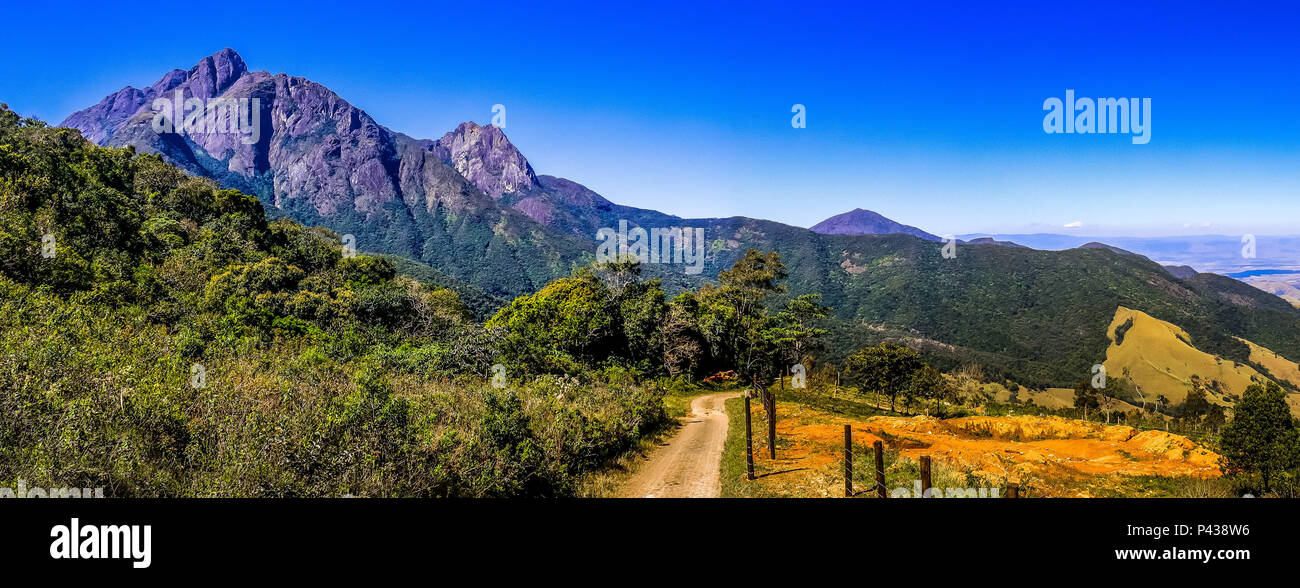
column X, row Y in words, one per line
column 311, row 155
column 210, row 77
column 487, row 159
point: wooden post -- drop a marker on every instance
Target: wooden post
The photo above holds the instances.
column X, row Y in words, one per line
column 925, row 475
column 1013, row 490
column 880, row 468
column 848, row 461
column 749, row 440
column 771, row 425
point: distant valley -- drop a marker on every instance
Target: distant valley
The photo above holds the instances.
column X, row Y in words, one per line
column 1219, row 254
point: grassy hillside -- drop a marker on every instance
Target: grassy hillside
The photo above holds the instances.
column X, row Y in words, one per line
column 1161, row 360
column 1279, row 368
column 1037, row 317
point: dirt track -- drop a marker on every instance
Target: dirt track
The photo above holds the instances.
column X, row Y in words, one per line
column 686, row 466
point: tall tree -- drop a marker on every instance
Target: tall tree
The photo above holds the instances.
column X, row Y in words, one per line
column 885, row 369
column 683, row 343
column 796, row 328
column 742, row 303
column 1260, row 444
column 1086, row 397
column 1197, row 404
column 928, row 385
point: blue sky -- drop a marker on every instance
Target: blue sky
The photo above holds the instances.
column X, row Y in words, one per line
column 929, row 113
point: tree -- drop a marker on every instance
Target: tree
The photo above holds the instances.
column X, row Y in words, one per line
column 741, row 319
column 970, row 384
column 796, row 331
column 568, row 323
column 928, row 385
column 683, row 343
column 1197, row 404
column 885, row 369
column 579, row 322
column 1260, row 444
column 1215, row 417
column 617, row 275
column 641, row 311
column 1085, row 397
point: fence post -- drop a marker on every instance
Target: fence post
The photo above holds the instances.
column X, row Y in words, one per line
column 880, row 468
column 1013, row 490
column 749, row 441
column 771, row 426
column 925, row 476
column 848, row 461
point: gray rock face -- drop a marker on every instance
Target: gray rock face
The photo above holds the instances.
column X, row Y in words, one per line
column 323, row 161
column 487, row 159
column 469, row 203
column 209, row 78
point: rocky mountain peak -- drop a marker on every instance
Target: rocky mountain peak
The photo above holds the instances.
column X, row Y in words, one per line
column 485, row 157
column 217, row 72
column 209, row 78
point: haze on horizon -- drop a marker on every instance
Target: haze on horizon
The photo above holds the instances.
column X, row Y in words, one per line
column 933, row 120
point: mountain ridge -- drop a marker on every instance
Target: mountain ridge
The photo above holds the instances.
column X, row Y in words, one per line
column 469, row 206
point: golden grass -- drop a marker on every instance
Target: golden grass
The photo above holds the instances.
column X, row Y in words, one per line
column 1047, row 456
column 1160, row 360
column 1277, row 366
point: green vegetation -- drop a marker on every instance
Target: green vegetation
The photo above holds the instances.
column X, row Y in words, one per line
column 1036, row 317
column 731, row 472
column 1261, row 447
column 161, row 338
column 893, row 370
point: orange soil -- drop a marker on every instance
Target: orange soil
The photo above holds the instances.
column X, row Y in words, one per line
column 1018, row 448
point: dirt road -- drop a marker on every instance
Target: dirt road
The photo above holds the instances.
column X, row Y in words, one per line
column 687, row 466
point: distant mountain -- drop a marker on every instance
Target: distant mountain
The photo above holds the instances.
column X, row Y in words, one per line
column 1220, row 254
column 1111, row 248
column 866, row 222
column 322, row 161
column 472, row 214
column 992, row 241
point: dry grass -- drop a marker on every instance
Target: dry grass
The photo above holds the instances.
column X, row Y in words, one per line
column 1046, row 456
column 1160, row 360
